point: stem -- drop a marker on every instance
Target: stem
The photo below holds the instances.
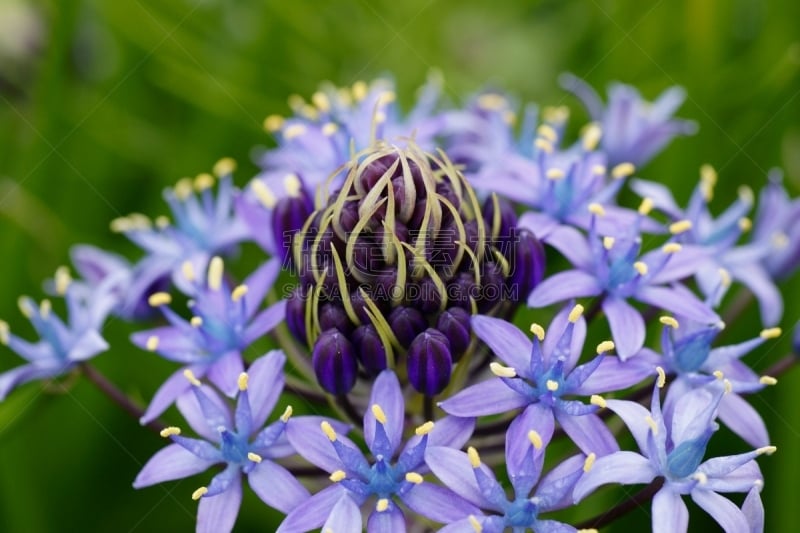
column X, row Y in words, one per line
column 306, row 471
column 594, row 310
column 623, row 508
column 298, row 388
column 117, row 396
column 494, row 427
column 782, row 365
column 427, row 408
column 739, row 305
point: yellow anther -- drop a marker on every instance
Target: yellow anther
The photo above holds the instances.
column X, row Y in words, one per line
column 62, row 280
column 701, row 478
column 203, row 181
column 413, row 477
column 767, row 380
column 196, row 321
column 576, row 313
column 669, row 321
column 191, row 378
column 294, row 130
column 25, row 306
column 680, row 226
column 770, row 333
column 152, row 343
column 329, row 128
column 547, row 132
column 254, row 457
column 243, row 381
column 718, row 374
column 555, row 114
column 287, row 414
column 640, row 267
column 555, row 174
column 4, row 332
column 537, row 330
column 745, row 224
column 724, row 277
column 322, row 101
column 187, row 269
column 273, row 123
column 296, row 102
column 597, row 209
column 590, row 530
column 475, row 524
column 745, row 194
column 502, row 371
column 536, row 439
column 216, row 268
column 708, row 175
column 157, row 299
column 598, row 170
column 780, row 240
column 589, row 462
column 605, row 346
column 591, row 136
column 671, row 248
column 646, row 206
column 382, row 505
column 598, row 400
column 543, row 144
column 551, row 385
column 337, row 475
column 662, row 377
column 238, row 293
column 386, row 97
column 492, row 101
column 224, row 167
column 424, row 429
column 728, row 386
column 170, row 431
column 292, row 185
column 183, row 189
column 608, row 242
column 380, row 416
column 45, row 307
column 264, row 194
column 474, row 458
column 766, row 450
column 623, row 170
column 380, row 117
column 199, row 493
column 652, row 423
column 359, row 90
column 309, row 111
column 328, row 430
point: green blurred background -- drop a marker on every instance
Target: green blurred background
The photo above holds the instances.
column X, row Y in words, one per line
column 104, row 103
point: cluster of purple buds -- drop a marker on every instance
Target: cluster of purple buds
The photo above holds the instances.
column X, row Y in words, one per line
column 393, row 264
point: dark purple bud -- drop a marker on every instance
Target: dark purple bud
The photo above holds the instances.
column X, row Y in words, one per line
column 407, row 323
column 459, row 290
column 288, row 217
column 370, row 349
column 446, row 190
column 492, row 287
column 374, row 172
column 526, row 263
column 419, row 214
column 504, row 232
column 335, row 363
column 429, row 362
column 296, row 314
column 332, row 316
column 348, row 218
column 424, row 295
column 454, row 324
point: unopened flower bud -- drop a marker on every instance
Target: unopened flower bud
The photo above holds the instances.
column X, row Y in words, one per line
column 406, row 324
column 288, row 217
column 527, row 261
column 334, row 362
column 454, row 324
column 429, row 362
column 369, row 349
column 296, row 314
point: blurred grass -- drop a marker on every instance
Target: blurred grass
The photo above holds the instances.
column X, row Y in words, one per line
column 105, row 103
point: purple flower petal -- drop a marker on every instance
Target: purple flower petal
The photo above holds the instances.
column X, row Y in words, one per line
column 536, row 417
column 23, row 374
column 172, row 462
column 387, row 394
column 345, row 516
column 633, row 415
column 540, row 224
column 770, row 302
column 615, row 374
column 627, row 326
column 437, row 503
column 722, row 510
column 742, row 419
column 556, row 487
column 224, row 373
column 589, row 433
column 564, row 286
column 265, row 321
column 307, row 438
column 389, row 521
column 753, row 510
column 217, row 514
column 258, row 283
column 87, row 346
column 312, row 513
column 670, row 514
column 741, row 479
column 627, row 468
column 679, row 303
column 504, row 339
column 453, row 468
column 277, row 487
column 173, row 344
column 572, row 245
column 266, row 384
column 169, row 391
column 452, row 431
column 681, row 265
column 488, row 397
column 555, row 330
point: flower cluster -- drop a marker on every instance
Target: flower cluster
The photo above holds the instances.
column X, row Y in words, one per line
column 411, row 242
